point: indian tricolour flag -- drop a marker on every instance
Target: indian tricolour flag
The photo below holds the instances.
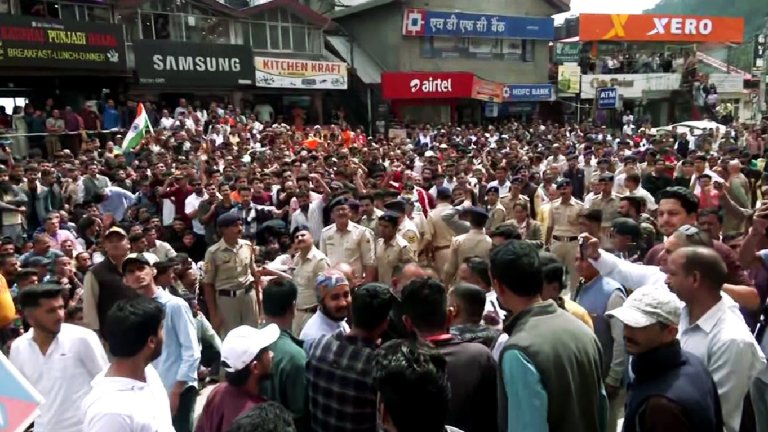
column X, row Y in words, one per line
column 136, row 133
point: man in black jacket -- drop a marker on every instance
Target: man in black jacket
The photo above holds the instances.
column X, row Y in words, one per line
column 672, row 389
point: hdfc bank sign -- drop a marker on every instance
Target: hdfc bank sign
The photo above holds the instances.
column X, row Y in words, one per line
column 426, row 85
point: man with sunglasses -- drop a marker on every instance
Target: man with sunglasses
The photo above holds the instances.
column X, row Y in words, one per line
column 309, row 263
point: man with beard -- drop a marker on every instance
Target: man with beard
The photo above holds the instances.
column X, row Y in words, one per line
column 247, row 359
column 631, row 207
column 59, row 360
column 254, row 215
column 12, row 207
column 339, row 374
column 333, row 298
column 177, row 364
column 129, row 395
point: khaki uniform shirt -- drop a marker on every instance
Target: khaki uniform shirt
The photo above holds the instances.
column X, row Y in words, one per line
column 609, row 206
column 497, row 216
column 306, row 272
column 408, row 231
column 438, row 233
column 474, row 243
column 390, row 254
column 564, row 218
column 372, row 223
column 229, row 268
column 353, row 246
column 509, row 202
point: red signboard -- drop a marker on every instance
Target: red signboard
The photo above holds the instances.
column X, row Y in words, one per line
column 427, row 85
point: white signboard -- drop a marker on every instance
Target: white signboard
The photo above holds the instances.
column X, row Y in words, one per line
column 628, row 85
column 300, row 74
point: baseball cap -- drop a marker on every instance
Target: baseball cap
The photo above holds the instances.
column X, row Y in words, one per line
column 649, row 305
column 138, row 258
column 241, row 345
column 115, row 230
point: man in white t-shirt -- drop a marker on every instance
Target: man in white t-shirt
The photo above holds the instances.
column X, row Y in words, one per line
column 264, row 113
column 59, row 360
column 129, row 396
column 192, row 204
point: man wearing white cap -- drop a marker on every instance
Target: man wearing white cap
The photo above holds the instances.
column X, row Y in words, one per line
column 246, row 358
column 672, row 389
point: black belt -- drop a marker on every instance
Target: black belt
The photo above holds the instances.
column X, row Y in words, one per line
column 232, row 293
column 565, row 239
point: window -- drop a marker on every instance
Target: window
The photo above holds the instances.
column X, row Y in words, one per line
column 279, row 30
column 259, row 36
column 66, row 11
column 299, row 38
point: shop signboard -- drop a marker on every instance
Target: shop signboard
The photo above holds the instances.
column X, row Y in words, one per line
column 529, row 93
column 727, row 83
column 491, row 109
column 425, row 22
column 427, row 85
column 629, row 85
column 300, row 74
column 47, row 43
column 487, row 91
column 185, row 64
column 568, row 77
column 758, row 51
column 567, row 52
column 607, row 98
column 661, row 28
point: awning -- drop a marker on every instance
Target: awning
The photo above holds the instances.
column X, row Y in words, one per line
column 365, row 67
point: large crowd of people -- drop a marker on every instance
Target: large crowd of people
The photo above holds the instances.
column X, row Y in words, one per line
column 510, row 276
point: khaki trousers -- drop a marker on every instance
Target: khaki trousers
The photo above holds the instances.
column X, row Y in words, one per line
column 237, row 311
column 566, row 252
column 441, row 259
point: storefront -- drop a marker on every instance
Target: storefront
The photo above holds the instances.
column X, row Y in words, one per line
column 439, row 97
column 167, row 71
column 70, row 61
column 302, row 92
column 523, row 101
column 644, row 95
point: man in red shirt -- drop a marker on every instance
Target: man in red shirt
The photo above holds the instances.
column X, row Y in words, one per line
column 246, row 358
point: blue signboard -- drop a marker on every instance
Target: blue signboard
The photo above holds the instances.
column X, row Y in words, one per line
column 529, row 92
column 607, row 98
column 424, row 22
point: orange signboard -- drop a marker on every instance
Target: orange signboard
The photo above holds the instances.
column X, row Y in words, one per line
column 488, row 91
column 660, row 28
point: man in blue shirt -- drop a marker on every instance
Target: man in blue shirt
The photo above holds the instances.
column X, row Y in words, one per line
column 110, row 118
column 178, row 363
column 550, row 367
column 114, row 200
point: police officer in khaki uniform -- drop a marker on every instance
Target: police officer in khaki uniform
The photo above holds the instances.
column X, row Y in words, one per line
column 405, row 228
column 348, row 242
column 230, row 273
column 474, row 243
column 515, row 196
column 497, row 214
column 608, row 202
column 309, row 263
column 438, row 236
column 369, row 215
column 391, row 249
column 563, row 230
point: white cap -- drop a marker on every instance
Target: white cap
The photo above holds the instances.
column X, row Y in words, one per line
column 429, row 153
column 648, row 305
column 242, row 344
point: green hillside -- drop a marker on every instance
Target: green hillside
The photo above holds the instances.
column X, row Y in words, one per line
column 753, row 11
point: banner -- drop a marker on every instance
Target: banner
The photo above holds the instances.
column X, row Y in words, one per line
column 488, row 91
column 19, row 401
column 568, row 77
column 185, row 64
column 567, row 52
column 629, row 85
column 758, row 52
column 661, row 28
column 424, row 22
column 45, row 43
column 305, row 74
column 427, row 85
column 529, row 93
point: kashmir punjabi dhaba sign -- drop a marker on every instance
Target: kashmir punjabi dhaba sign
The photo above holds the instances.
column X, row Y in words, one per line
column 46, row 43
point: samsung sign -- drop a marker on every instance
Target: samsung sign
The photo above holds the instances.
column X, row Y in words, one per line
column 185, row 64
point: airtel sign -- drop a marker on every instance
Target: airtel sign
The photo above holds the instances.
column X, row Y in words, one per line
column 426, row 85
